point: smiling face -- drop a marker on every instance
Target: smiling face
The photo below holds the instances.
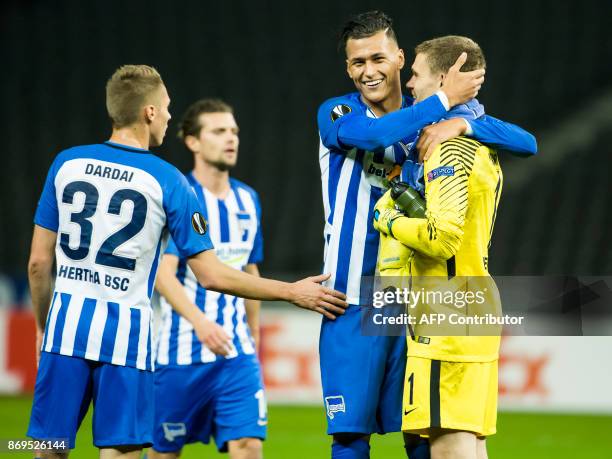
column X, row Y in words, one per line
column 374, row 64
column 217, row 141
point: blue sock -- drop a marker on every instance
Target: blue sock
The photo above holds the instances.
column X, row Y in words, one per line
column 418, row 450
column 358, row 449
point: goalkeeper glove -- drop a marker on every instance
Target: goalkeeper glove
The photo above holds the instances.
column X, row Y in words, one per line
column 385, row 214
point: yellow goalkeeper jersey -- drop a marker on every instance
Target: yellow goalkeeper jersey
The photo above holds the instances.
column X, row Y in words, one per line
column 463, row 182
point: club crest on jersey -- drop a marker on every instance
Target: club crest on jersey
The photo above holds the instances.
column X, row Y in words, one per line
column 335, row 404
column 339, row 111
column 441, row 171
column 199, row 223
column 173, row 430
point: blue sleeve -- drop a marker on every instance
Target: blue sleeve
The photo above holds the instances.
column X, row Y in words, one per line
column 256, row 255
column 171, row 249
column 343, row 125
column 185, row 220
column 47, row 214
column 507, row 136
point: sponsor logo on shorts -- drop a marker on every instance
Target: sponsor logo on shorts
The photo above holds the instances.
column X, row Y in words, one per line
column 441, row 171
column 173, row 430
column 407, row 412
column 335, row 404
column 199, row 223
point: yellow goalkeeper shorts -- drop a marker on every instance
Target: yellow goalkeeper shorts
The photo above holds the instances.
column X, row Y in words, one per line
column 450, row 395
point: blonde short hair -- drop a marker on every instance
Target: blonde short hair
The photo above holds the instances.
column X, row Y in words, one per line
column 442, row 52
column 129, row 89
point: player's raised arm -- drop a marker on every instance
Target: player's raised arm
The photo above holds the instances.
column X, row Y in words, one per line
column 342, row 126
column 168, row 285
column 504, row 135
column 485, row 129
column 306, row 293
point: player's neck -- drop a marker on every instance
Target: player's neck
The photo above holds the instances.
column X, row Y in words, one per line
column 132, row 136
column 387, row 105
column 212, row 178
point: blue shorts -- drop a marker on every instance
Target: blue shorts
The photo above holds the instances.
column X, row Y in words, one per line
column 362, row 376
column 122, row 401
column 223, row 399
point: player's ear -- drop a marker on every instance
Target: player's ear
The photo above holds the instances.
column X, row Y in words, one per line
column 441, row 78
column 348, row 69
column 192, row 143
column 150, row 112
column 401, row 59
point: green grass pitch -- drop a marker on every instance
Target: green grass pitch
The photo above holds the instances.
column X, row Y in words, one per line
column 297, row 432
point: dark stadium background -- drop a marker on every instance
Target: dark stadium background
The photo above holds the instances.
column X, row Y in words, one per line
column 549, row 70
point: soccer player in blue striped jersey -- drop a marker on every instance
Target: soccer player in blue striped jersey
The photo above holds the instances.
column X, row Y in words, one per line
column 104, row 216
column 364, row 135
column 208, row 380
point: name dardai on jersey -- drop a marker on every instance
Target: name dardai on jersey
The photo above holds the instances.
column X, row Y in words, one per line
column 110, row 205
column 109, row 172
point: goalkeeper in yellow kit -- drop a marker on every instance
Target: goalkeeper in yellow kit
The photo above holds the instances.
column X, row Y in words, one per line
column 450, row 390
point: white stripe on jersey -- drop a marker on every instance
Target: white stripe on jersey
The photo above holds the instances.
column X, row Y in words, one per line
column 143, row 339
column 249, row 207
column 184, row 342
column 94, row 341
column 234, row 230
column 70, row 326
column 212, row 311
column 324, row 164
column 243, row 332
column 212, row 209
column 228, row 326
column 122, row 337
column 50, row 330
column 163, row 343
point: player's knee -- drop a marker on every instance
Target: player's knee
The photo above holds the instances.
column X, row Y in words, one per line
column 246, row 448
column 481, row 448
column 452, row 448
column 441, row 451
column 347, row 438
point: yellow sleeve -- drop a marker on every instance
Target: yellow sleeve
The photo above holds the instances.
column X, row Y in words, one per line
column 439, row 235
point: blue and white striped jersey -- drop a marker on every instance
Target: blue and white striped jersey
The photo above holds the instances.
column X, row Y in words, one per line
column 235, row 229
column 352, row 181
column 358, row 151
column 113, row 207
